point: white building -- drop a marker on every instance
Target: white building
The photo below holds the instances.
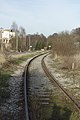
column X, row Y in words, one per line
column 5, row 37
column 7, row 34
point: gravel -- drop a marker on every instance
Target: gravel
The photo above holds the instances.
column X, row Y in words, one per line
column 38, row 82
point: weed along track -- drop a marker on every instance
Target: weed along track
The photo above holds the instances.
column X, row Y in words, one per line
column 46, row 100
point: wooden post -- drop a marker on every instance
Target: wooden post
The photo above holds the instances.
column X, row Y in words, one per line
column 72, row 66
column 55, row 56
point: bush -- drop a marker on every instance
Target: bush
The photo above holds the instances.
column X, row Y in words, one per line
column 64, row 46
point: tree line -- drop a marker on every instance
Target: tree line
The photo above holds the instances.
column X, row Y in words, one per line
column 63, row 43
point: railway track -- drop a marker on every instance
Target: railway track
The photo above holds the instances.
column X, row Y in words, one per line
column 26, row 77
column 39, row 90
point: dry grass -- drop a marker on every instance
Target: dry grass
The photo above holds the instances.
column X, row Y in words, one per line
column 69, row 60
column 2, row 59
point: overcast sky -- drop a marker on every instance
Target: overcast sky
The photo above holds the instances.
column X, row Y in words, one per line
column 42, row 16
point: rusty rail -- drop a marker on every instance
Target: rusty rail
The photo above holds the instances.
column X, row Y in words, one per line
column 25, row 75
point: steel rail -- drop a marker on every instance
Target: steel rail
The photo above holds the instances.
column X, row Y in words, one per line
column 53, row 79
column 26, row 76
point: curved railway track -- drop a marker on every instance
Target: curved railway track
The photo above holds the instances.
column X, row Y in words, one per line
column 26, row 76
column 39, row 92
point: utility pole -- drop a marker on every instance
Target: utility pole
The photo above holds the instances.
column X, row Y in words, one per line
column 16, row 41
column 29, row 41
column 1, row 39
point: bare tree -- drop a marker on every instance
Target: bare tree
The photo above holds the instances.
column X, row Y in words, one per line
column 14, row 27
column 22, row 41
